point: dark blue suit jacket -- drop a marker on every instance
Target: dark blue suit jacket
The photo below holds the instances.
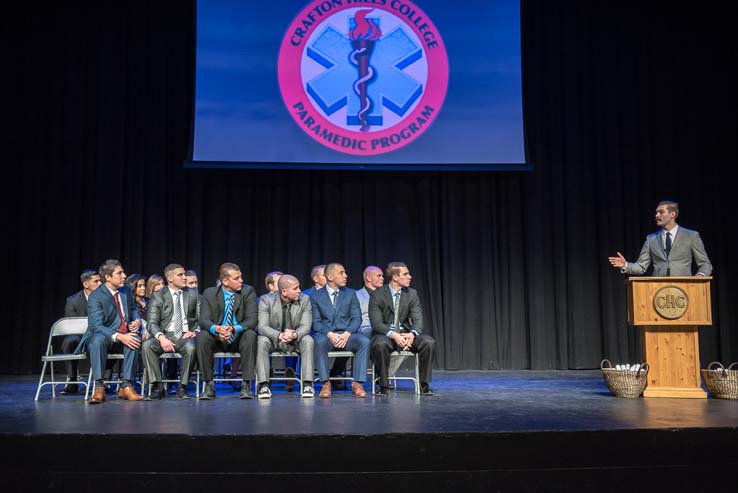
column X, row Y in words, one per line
column 345, row 316
column 102, row 314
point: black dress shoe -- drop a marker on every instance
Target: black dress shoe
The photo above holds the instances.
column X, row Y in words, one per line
column 157, row 392
column 382, row 391
column 182, row 392
column 70, row 388
column 209, row 392
column 425, row 389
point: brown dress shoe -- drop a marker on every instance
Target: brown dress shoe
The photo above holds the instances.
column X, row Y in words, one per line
column 357, row 390
column 325, row 390
column 98, row 396
column 129, row 394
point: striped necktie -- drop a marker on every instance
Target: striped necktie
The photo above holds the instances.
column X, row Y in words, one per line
column 228, row 320
column 178, row 326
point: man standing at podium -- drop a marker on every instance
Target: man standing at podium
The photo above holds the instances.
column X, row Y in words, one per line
column 670, row 249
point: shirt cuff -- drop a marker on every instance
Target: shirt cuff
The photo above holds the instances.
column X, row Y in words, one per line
column 212, row 329
column 238, row 328
column 389, row 332
column 415, row 332
column 156, row 336
column 114, row 337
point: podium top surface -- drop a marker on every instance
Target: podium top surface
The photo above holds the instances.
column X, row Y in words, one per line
column 669, row 279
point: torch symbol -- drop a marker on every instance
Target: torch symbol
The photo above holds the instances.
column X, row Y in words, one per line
column 363, row 36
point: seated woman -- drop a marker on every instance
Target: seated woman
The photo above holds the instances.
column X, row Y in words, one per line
column 137, row 284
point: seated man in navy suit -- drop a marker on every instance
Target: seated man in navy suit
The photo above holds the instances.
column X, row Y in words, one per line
column 113, row 325
column 336, row 322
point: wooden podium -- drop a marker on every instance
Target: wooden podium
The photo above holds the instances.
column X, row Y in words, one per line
column 669, row 311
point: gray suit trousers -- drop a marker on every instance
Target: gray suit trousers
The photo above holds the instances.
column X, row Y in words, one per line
column 152, row 349
column 265, row 346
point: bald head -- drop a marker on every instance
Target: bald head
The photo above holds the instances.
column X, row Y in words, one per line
column 373, row 277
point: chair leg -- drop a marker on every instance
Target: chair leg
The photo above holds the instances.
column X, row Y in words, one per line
column 40, row 380
column 89, row 381
column 53, row 386
column 417, row 375
column 374, row 380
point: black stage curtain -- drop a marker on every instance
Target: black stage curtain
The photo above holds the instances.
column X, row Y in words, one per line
column 625, row 105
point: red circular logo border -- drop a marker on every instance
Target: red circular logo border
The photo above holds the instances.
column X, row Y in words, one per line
column 293, row 91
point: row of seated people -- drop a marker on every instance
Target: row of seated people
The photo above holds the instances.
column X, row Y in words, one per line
column 228, row 318
column 140, row 288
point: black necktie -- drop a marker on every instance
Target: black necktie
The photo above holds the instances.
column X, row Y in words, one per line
column 286, row 316
column 668, row 243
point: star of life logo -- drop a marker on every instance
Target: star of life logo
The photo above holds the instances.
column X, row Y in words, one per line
column 363, row 77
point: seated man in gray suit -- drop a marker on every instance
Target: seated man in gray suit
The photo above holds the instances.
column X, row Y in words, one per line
column 76, row 306
column 285, row 319
column 173, row 314
column 670, row 249
column 397, row 322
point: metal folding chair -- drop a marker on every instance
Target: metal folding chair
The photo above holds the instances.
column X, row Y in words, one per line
column 393, row 375
column 285, row 354
column 164, row 357
column 62, row 327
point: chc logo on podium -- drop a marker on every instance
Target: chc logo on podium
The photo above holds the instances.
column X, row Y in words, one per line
column 363, row 77
column 671, row 302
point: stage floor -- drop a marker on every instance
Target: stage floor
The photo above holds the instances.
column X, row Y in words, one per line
column 464, row 402
column 482, row 431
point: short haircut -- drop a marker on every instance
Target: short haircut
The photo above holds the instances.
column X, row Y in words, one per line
column 169, row 268
column 394, row 268
column 332, row 266
column 190, row 273
column 87, row 275
column 671, row 206
column 286, row 281
column 107, row 268
column 225, row 268
column 269, row 279
column 314, row 271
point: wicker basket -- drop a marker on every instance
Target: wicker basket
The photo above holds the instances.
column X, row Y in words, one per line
column 721, row 382
column 625, row 383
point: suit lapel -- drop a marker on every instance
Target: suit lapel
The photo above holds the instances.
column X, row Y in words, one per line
column 220, row 301
column 388, row 297
column 277, row 309
column 657, row 246
column 168, row 302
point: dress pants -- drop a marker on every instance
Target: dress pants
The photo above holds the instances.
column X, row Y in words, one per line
column 98, row 348
column 265, row 346
column 68, row 345
column 359, row 344
column 382, row 346
column 208, row 345
column 152, row 350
